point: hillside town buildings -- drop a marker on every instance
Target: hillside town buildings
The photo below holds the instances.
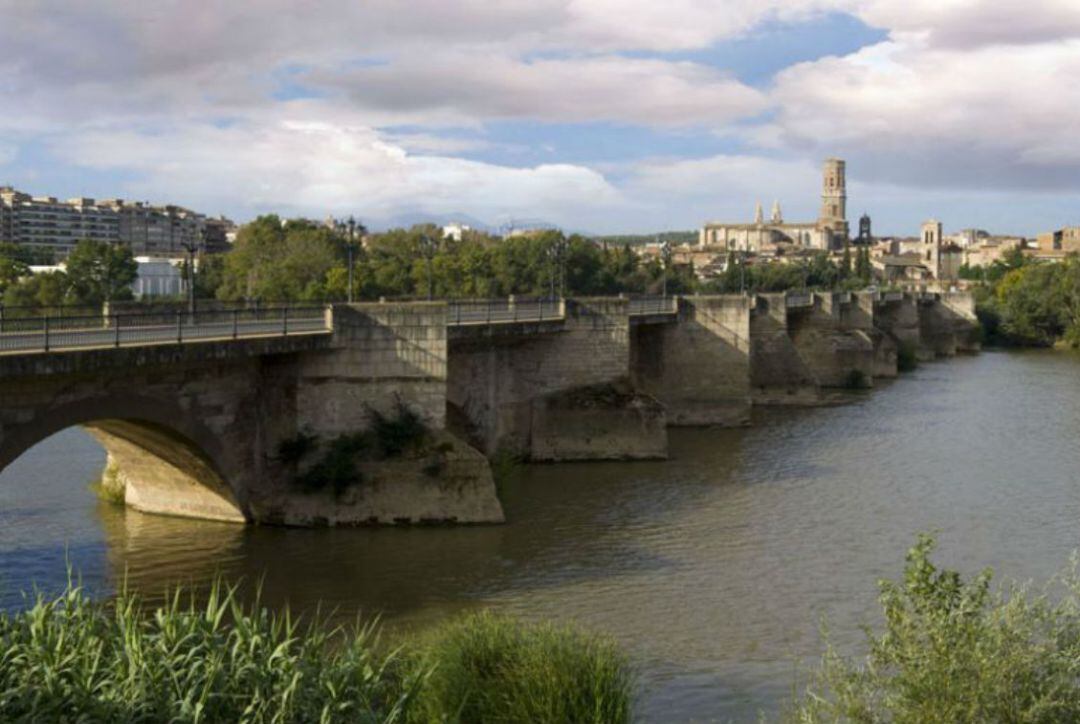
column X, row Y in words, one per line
column 52, row 227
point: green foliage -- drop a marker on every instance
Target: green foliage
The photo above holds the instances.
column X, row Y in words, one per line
column 1031, row 304
column 394, row 435
column 109, row 487
column 72, row 659
column 817, row 271
column 488, row 668
column 388, row 436
column 48, row 289
column 100, row 272
column 276, row 261
column 209, row 275
column 505, row 467
column 336, row 470
column 952, row 651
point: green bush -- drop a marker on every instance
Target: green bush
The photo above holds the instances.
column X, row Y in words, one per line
column 336, row 470
column 395, row 435
column 953, row 651
column 488, row 668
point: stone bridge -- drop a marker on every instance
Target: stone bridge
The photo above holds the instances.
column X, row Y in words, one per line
column 200, row 427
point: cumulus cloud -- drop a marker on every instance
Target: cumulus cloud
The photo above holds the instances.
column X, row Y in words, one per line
column 315, row 168
column 284, row 105
column 988, row 116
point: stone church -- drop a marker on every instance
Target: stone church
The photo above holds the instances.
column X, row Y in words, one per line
column 829, row 232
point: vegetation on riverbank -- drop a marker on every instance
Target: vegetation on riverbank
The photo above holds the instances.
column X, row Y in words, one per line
column 1028, row 304
column 954, row 651
column 75, row 659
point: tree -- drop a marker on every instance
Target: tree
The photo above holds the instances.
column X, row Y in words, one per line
column 864, row 270
column 845, row 262
column 47, row 289
column 277, row 261
column 100, row 272
column 12, row 267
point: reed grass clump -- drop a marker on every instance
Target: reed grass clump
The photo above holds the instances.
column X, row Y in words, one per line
column 490, row 668
column 213, row 659
column 72, row 659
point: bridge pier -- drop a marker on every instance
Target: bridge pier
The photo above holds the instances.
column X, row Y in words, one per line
column 696, row 363
column 778, row 373
column 554, row 390
column 896, row 316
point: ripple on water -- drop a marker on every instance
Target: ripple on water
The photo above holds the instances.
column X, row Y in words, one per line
column 714, row 568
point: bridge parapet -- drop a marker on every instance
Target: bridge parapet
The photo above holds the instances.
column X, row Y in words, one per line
column 45, row 333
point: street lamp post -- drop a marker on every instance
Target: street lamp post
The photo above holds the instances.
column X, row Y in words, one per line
column 429, row 245
column 349, row 225
column 557, row 254
column 665, row 262
column 191, row 248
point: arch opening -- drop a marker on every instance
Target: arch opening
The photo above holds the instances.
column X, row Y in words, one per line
column 164, row 462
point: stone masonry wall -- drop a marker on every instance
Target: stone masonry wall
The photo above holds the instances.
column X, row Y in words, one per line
column 698, row 365
column 381, row 353
column 778, row 375
column 499, row 383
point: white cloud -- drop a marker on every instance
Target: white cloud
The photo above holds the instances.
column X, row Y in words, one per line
column 994, row 115
column 316, row 168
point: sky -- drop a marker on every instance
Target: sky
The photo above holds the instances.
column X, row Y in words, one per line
column 603, row 116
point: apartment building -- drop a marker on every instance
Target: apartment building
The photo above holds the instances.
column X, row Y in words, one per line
column 50, row 226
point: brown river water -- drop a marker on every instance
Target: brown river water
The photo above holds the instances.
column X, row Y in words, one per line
column 714, row 569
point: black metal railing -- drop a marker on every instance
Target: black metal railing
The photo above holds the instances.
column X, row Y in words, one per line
column 504, row 310
column 50, row 333
column 641, row 306
column 798, row 299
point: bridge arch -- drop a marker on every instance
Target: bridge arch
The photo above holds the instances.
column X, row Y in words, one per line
column 168, row 460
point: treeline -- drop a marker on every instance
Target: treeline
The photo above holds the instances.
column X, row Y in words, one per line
column 96, row 272
column 818, row 272
column 1021, row 302
column 304, row 261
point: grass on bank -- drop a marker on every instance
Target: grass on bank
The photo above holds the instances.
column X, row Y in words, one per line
column 954, row 651
column 70, row 658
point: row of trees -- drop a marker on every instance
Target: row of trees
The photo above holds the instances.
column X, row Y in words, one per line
column 303, row 261
column 817, row 272
column 96, row 272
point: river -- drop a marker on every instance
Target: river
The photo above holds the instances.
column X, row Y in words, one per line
column 714, row 569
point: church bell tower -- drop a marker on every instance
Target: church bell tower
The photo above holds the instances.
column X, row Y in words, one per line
column 834, row 199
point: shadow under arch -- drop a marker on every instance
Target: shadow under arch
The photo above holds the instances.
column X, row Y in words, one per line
column 170, row 462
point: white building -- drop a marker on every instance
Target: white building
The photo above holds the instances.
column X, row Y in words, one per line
column 159, row 278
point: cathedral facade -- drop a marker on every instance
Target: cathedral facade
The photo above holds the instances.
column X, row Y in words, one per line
column 830, row 231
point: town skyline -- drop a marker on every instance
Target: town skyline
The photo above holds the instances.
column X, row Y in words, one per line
column 568, row 113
